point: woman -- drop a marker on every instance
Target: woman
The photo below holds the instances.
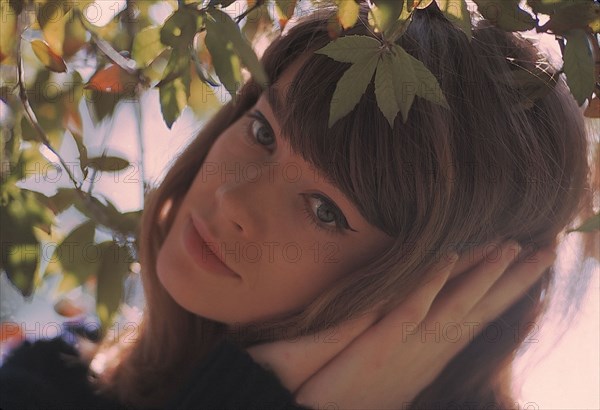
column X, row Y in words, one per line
column 273, row 236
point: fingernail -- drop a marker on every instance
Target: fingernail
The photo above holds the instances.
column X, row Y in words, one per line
column 513, row 249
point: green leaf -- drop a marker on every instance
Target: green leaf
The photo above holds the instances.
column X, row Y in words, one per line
column 82, row 149
column 351, row 49
column 112, row 270
column 405, row 80
column 49, row 58
column 20, row 247
column 348, row 13
column 179, row 29
column 506, row 14
column 577, row 15
column 108, row 164
column 226, row 62
column 350, row 87
column 225, row 33
column 457, row 12
column 100, row 104
column 78, row 254
column 590, row 225
column 427, row 85
column 179, row 63
column 552, row 6
column 386, row 12
column 173, row 97
column 222, row 3
column 384, row 89
column 147, row 46
column 398, row 27
column 64, row 198
column 579, row 65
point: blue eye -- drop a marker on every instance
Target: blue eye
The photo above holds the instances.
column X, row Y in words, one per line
column 260, row 131
column 325, row 214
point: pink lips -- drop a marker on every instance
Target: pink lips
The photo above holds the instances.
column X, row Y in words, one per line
column 204, row 249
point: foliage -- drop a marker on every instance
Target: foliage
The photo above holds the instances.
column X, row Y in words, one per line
column 48, row 46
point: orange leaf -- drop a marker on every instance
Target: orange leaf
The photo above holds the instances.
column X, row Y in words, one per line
column 112, row 79
column 10, row 331
column 593, row 108
column 48, row 57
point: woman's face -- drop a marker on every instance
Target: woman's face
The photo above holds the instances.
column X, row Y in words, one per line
column 260, row 233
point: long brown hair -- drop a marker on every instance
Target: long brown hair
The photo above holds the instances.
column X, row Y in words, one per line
column 446, row 180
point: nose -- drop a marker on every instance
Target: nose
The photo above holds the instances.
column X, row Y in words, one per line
column 239, row 208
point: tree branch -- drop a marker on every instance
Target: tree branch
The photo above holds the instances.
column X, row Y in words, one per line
column 31, row 117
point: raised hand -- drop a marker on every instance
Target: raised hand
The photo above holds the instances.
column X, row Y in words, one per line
column 398, row 361
column 329, row 366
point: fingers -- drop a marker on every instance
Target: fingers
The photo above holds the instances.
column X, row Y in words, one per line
column 471, row 258
column 416, row 306
column 459, row 296
column 512, row 286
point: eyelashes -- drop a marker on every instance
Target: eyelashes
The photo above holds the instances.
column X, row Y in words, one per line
column 340, row 222
column 260, row 133
column 259, row 122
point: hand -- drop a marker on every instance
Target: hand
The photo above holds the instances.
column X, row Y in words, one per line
column 477, row 296
column 294, row 361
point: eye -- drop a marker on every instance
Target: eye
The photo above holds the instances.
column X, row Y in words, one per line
column 325, row 214
column 260, row 131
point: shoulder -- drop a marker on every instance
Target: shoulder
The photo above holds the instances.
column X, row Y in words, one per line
column 228, row 378
column 47, row 374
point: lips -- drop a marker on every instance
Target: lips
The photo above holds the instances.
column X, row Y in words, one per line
column 206, row 250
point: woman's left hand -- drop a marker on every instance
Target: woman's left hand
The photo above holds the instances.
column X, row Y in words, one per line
column 387, row 365
column 295, row 361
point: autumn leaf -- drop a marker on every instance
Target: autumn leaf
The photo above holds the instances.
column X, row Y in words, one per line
column 386, row 12
column 593, row 108
column 284, row 10
column 347, row 13
column 49, row 58
column 8, row 30
column 112, row 79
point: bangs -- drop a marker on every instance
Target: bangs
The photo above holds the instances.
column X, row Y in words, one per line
column 375, row 166
column 356, row 153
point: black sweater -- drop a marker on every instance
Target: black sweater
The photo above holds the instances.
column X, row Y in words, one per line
column 48, row 374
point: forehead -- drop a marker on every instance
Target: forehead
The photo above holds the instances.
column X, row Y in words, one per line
column 276, row 93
